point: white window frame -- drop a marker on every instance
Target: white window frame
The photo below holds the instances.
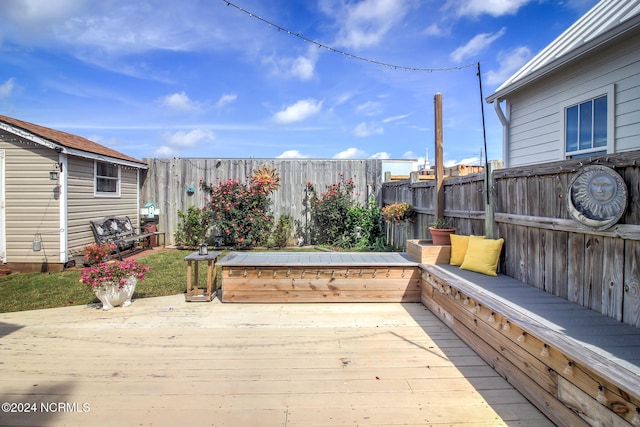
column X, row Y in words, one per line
column 97, row 193
column 609, row 92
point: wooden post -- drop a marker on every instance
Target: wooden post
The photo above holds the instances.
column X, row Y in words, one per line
column 439, row 202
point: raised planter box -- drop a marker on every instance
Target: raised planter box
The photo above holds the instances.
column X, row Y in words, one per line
column 319, row 277
column 425, row 252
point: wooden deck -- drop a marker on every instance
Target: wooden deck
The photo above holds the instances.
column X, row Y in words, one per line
column 167, row 362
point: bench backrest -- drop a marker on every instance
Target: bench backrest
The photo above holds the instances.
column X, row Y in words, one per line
column 112, row 228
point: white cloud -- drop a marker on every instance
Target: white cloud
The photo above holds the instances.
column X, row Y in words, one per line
column 510, row 62
column 367, row 129
column 369, row 108
column 292, row 154
column 164, row 152
column 179, row 102
column 350, row 153
column 381, row 155
column 410, row 155
column 6, row 88
column 435, row 30
column 395, row 118
column 188, row 139
column 476, row 8
column 365, row 23
column 476, row 45
column 226, row 99
column 298, row 112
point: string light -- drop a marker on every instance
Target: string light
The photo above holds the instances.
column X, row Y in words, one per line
column 343, row 53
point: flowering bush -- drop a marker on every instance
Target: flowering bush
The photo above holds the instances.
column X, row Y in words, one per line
column 398, row 212
column 94, row 253
column 328, row 210
column 241, row 213
column 114, row 273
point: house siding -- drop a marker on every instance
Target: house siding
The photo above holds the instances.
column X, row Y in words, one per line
column 32, row 201
column 83, row 206
column 536, row 119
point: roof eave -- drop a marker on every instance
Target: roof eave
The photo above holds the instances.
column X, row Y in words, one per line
column 601, row 41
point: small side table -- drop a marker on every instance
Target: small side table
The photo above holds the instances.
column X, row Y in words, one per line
column 193, row 293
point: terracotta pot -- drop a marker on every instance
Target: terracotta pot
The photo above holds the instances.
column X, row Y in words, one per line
column 440, row 236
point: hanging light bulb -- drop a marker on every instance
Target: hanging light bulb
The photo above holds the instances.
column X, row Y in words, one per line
column 491, row 318
column 466, row 301
column 636, row 418
column 457, row 295
column 506, row 326
column 521, row 337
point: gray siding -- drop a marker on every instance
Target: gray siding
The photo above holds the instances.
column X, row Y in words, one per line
column 83, row 206
column 32, row 201
column 536, row 112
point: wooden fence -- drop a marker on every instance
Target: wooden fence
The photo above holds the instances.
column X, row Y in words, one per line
column 169, row 182
column 544, row 247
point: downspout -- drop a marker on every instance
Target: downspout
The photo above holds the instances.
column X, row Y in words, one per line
column 505, row 132
column 63, row 207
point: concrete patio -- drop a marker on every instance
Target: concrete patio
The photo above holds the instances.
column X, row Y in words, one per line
column 165, row 362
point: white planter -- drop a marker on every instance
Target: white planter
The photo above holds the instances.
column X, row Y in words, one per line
column 113, row 295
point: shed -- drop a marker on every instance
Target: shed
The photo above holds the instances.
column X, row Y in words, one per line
column 52, row 184
column 580, row 95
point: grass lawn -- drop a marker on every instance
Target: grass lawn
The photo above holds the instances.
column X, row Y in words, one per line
column 31, row 291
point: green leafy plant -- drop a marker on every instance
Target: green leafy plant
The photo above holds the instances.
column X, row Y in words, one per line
column 364, row 227
column 193, row 226
column 282, row 232
column 441, row 224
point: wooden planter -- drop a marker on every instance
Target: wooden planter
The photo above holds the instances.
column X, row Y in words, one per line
column 425, row 252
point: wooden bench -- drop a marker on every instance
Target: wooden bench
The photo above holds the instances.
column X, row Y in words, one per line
column 576, row 365
column 121, row 232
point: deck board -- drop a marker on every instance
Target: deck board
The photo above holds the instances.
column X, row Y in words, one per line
column 165, row 362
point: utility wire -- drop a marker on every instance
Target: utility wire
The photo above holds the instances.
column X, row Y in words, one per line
column 346, row 54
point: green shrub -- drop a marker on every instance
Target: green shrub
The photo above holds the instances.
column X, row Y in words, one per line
column 282, row 233
column 193, row 226
column 328, row 211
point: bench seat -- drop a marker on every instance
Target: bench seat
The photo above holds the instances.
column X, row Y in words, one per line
column 578, row 366
column 121, row 232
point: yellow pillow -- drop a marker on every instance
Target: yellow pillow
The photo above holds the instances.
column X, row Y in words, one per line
column 482, row 255
column 459, row 246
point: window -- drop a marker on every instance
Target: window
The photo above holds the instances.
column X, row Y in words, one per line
column 588, row 126
column 107, row 179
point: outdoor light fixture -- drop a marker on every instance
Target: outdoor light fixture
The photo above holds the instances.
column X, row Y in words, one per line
column 37, row 242
column 203, row 249
column 55, row 173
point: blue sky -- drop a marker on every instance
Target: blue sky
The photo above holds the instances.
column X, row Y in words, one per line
column 201, row 78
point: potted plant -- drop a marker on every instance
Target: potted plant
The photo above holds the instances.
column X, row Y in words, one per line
column 94, row 253
column 113, row 283
column 440, row 231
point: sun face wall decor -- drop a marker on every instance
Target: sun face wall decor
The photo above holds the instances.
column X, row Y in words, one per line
column 597, row 197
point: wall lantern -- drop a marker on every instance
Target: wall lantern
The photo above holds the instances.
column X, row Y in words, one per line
column 55, row 173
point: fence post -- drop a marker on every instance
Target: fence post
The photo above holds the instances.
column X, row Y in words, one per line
column 489, row 218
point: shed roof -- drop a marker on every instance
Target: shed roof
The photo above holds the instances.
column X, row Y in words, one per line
column 75, row 143
column 606, row 22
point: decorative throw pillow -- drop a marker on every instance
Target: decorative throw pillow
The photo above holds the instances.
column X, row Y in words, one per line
column 482, row 255
column 458, row 248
